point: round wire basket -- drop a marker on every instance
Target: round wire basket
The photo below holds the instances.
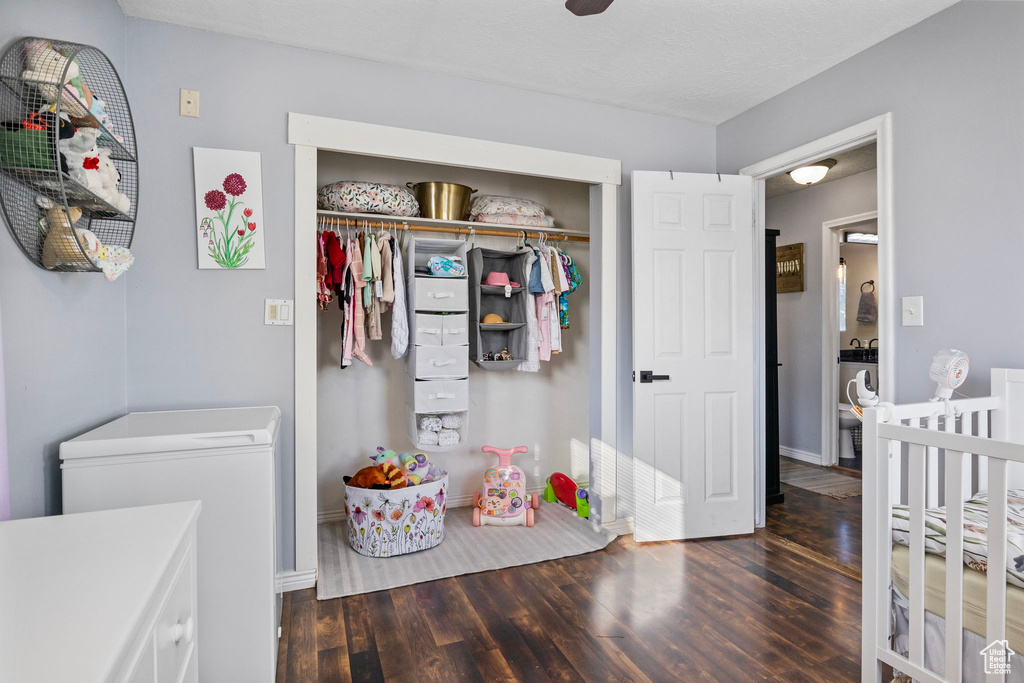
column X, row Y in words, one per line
column 69, row 181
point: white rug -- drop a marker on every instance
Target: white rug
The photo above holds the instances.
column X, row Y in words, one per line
column 465, row 550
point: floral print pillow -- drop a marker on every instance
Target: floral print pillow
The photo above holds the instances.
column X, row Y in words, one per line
column 489, row 204
column 356, row 196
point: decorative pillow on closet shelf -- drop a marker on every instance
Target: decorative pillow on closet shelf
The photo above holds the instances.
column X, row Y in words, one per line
column 490, row 204
column 514, row 219
column 356, row 196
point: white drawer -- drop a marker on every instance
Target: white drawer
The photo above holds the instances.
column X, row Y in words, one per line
column 439, row 362
column 176, row 625
column 441, row 294
column 428, row 329
column 456, row 330
column 443, row 396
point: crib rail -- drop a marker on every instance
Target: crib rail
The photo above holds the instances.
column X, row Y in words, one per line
column 970, row 462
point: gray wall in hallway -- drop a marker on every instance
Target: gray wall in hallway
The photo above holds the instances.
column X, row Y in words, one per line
column 197, row 338
column 799, row 216
column 64, row 333
column 954, row 86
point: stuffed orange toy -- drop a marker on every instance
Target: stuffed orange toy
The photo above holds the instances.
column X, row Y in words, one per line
column 385, row 476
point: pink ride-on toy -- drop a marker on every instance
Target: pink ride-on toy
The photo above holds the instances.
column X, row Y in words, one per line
column 504, row 501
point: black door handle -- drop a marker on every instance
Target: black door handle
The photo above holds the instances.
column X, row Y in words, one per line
column 648, row 376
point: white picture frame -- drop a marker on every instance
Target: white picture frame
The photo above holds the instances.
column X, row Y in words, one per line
column 229, row 209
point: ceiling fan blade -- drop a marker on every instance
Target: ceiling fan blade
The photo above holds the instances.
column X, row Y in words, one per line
column 582, row 8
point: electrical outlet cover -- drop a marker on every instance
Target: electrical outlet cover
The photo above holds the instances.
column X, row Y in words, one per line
column 913, row 311
column 279, row 312
column 189, row 103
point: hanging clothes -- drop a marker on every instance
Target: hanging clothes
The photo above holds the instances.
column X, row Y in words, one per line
column 543, row 306
column 532, row 362
column 368, row 251
column 387, row 269
column 575, row 279
column 358, row 315
column 344, row 303
column 399, row 315
column 323, row 292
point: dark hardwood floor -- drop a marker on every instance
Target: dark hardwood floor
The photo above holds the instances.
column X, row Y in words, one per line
column 749, row 608
column 829, row 527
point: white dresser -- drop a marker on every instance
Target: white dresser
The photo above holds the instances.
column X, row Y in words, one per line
column 224, row 458
column 102, row 596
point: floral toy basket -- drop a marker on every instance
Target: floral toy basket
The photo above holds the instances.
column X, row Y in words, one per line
column 390, row 523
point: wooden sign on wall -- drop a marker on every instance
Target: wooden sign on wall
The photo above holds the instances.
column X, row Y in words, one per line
column 789, row 268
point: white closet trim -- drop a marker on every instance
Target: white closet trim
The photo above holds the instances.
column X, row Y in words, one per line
column 312, row 133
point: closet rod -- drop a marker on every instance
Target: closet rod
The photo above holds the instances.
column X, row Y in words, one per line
column 494, row 232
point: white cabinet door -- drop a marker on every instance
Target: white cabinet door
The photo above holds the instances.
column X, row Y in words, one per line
column 693, row 330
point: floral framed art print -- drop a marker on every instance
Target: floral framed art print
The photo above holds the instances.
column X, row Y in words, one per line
column 229, row 209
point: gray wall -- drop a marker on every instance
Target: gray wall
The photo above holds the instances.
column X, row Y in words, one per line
column 799, row 216
column 197, row 338
column 954, row 86
column 63, row 334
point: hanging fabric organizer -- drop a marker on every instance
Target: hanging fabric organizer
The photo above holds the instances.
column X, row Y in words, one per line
column 498, row 302
column 438, row 366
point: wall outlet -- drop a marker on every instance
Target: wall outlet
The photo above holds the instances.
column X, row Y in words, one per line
column 913, row 311
column 188, row 104
column 279, row 312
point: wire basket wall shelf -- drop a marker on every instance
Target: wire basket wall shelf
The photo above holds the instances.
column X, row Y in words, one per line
column 69, row 176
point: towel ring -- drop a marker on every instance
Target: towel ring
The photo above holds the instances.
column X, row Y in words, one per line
column 869, row 282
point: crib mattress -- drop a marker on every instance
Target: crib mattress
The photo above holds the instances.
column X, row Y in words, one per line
column 975, row 594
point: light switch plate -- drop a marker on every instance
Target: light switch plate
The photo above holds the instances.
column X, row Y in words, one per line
column 189, row 103
column 279, row 312
column 913, row 311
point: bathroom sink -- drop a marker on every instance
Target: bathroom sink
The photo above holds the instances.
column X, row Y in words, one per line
column 858, row 355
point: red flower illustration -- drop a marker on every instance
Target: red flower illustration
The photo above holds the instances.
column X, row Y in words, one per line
column 241, row 233
column 247, row 213
column 215, row 200
column 234, row 184
column 378, row 515
column 252, row 227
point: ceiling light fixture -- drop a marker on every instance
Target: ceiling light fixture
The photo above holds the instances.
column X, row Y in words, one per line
column 812, row 173
column 862, row 237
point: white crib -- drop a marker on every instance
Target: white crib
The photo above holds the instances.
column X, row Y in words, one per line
column 980, row 446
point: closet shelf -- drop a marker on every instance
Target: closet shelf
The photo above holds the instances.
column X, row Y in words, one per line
column 500, row 327
column 458, row 227
column 499, row 290
column 497, row 364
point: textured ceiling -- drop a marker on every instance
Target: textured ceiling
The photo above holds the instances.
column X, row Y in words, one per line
column 848, row 163
column 703, row 60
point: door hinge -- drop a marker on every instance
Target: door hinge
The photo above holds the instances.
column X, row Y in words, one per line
column 634, row 375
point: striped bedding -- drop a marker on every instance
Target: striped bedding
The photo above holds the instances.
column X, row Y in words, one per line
column 975, row 533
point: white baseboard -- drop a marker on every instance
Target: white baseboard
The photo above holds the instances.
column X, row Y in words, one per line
column 797, row 454
column 295, row 581
column 621, row 527
column 465, row 500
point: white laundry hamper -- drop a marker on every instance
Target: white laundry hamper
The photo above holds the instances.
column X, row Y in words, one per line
column 391, row 523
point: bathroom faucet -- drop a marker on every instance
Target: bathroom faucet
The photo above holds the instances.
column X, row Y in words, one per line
column 859, row 345
column 872, row 342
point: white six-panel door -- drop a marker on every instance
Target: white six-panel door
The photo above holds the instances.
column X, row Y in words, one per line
column 693, row 326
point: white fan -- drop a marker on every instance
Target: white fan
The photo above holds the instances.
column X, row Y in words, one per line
column 948, row 371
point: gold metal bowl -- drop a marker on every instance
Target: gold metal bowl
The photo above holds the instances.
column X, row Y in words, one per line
column 443, row 201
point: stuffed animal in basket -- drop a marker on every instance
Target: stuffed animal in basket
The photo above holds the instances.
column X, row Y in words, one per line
column 504, row 501
column 385, row 476
column 417, row 467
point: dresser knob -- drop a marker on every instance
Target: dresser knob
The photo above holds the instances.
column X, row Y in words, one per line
column 186, row 631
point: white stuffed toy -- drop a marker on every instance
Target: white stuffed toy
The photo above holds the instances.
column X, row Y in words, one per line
column 110, row 178
column 91, row 167
column 46, row 67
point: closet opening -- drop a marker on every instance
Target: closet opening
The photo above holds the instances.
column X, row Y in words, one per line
column 545, row 409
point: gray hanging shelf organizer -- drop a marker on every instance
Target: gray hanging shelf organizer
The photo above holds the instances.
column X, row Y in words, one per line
column 50, row 90
column 510, row 304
